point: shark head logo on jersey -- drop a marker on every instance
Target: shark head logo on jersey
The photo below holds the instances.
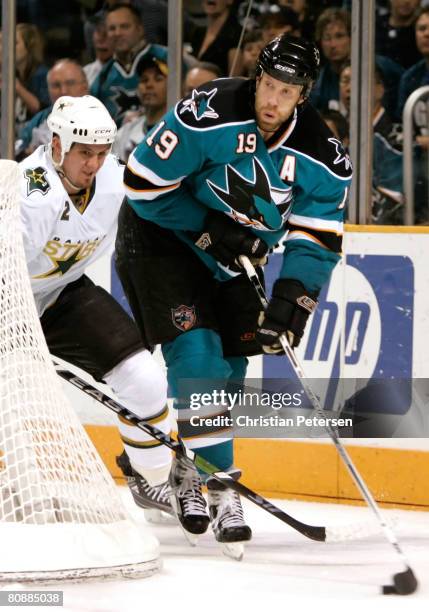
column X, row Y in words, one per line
column 36, row 180
column 124, row 100
column 342, row 156
column 199, row 105
column 254, row 202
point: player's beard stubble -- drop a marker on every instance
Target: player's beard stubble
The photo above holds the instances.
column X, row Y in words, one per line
column 270, row 117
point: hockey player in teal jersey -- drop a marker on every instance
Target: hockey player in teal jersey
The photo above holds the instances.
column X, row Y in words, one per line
column 234, row 168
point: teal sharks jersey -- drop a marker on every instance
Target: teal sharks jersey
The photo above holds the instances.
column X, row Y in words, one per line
column 207, row 153
column 116, row 85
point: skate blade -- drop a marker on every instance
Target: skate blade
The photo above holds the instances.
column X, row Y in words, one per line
column 192, row 538
column 234, row 550
column 158, row 517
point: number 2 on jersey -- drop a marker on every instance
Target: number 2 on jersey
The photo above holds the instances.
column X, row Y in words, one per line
column 166, row 144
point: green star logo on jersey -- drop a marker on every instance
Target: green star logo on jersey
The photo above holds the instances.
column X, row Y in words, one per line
column 64, row 255
column 61, row 265
column 36, row 180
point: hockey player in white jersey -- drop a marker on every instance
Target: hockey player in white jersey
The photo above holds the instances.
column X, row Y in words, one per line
column 71, row 192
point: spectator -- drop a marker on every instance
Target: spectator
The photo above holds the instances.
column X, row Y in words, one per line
column 200, row 74
column 31, row 89
column 252, row 46
column 333, row 33
column 382, row 121
column 251, row 18
column 338, row 125
column 303, row 9
column 116, row 84
column 387, row 192
column 60, row 23
column 306, row 15
column 417, row 75
column 92, row 16
column 283, row 20
column 395, row 32
column 154, row 15
column 217, row 41
column 65, row 78
column 152, row 91
column 102, row 49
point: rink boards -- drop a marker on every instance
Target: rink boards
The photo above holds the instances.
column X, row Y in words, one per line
column 372, row 322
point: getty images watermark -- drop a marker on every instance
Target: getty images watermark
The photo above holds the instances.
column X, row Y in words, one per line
column 260, row 401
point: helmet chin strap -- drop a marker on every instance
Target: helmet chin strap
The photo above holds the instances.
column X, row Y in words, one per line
column 63, row 175
column 60, row 170
column 59, row 166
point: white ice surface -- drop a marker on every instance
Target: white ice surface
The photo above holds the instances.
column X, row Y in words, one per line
column 281, row 569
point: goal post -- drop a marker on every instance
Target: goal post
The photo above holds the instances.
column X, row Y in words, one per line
column 61, row 515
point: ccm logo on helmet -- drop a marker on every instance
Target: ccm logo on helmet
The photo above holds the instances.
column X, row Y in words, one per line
column 103, row 131
column 284, row 68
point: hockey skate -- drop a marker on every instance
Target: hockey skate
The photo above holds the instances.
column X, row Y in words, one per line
column 155, row 500
column 226, row 517
column 187, row 499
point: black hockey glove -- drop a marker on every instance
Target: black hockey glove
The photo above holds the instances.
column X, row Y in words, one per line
column 225, row 239
column 287, row 313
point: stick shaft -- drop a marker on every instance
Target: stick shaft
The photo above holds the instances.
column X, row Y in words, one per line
column 356, row 477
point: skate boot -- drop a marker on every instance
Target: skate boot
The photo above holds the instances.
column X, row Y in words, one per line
column 155, row 500
column 187, row 499
column 226, row 517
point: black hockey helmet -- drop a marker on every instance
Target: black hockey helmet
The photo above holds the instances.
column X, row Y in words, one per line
column 291, row 60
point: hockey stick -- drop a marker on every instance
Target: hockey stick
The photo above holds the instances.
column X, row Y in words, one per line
column 320, row 534
column 404, row 583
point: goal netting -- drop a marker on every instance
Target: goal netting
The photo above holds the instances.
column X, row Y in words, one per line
column 61, row 516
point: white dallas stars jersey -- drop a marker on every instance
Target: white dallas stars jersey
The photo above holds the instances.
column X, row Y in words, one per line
column 59, row 241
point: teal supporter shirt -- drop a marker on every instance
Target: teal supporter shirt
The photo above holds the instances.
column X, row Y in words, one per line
column 116, row 84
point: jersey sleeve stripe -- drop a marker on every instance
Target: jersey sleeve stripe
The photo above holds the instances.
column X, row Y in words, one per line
column 137, row 187
column 322, row 225
column 327, row 240
column 145, row 173
column 299, row 235
column 145, row 195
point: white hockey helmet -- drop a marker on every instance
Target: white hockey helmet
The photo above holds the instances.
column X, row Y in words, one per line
column 81, row 119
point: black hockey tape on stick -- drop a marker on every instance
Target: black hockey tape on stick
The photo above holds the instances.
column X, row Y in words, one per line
column 404, row 583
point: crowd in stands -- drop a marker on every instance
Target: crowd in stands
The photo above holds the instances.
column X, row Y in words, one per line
column 117, row 52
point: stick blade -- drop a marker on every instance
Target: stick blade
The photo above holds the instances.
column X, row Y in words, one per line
column 404, row 583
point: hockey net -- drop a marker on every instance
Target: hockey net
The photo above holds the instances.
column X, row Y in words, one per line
column 61, row 517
